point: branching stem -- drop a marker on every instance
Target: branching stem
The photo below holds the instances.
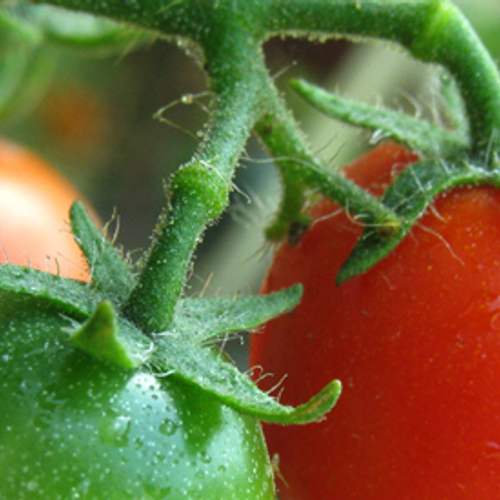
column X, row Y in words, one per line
column 199, row 190
column 228, row 34
column 300, row 168
column 432, row 30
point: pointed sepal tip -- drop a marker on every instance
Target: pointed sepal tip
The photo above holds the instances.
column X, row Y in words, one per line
column 99, row 337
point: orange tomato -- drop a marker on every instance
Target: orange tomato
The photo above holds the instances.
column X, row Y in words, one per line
column 34, row 207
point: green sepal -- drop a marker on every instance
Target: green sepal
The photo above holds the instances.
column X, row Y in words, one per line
column 74, row 299
column 185, row 351
column 418, row 135
column 110, row 273
column 207, row 319
column 112, row 340
column 208, row 368
column 409, row 196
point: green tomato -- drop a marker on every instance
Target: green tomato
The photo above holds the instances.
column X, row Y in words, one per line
column 72, row 427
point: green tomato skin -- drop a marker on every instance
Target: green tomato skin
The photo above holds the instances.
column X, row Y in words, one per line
column 74, row 428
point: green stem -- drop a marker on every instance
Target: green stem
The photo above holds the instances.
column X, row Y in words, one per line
column 451, row 41
column 229, row 34
column 147, row 14
column 199, row 190
column 152, row 302
column 193, row 19
column 432, row 30
column 300, row 168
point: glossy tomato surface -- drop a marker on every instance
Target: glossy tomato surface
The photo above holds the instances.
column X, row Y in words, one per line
column 72, row 427
column 34, row 207
column 415, row 342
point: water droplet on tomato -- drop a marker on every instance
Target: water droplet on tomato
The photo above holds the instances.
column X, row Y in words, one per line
column 494, row 305
column 114, row 429
column 32, row 485
column 139, row 443
column 81, row 489
column 168, row 427
column 200, row 475
column 157, row 492
column 42, row 420
column 205, row 457
column 492, row 449
column 495, row 321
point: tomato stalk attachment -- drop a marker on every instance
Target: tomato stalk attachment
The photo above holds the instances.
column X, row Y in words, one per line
column 432, row 31
column 300, row 168
column 227, row 36
column 133, row 320
column 199, row 191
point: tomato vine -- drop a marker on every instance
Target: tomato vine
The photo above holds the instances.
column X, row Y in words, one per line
column 228, row 36
column 125, row 310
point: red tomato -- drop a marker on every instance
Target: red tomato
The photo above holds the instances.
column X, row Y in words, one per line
column 415, row 341
column 34, row 207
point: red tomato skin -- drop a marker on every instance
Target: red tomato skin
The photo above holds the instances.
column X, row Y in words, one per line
column 34, row 210
column 416, row 343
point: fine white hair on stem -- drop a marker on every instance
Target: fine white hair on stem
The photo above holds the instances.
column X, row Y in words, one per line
column 186, row 99
column 443, row 240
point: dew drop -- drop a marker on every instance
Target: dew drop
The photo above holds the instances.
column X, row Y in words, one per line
column 492, row 449
column 139, row 443
column 168, row 427
column 42, row 420
column 205, row 457
column 114, row 429
column 156, row 492
column 32, row 485
column 495, row 321
column 187, row 99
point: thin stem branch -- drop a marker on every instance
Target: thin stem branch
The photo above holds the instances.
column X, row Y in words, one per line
column 229, row 34
column 432, row 30
column 300, row 169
